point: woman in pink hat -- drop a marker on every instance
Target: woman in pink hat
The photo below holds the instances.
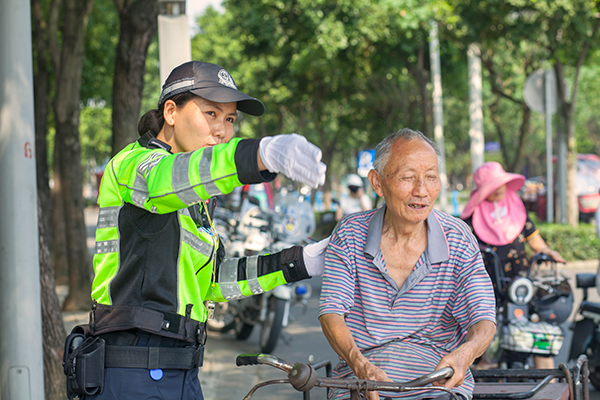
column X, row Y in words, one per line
column 499, row 220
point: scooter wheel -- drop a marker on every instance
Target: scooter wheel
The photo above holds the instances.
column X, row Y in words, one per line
column 242, row 330
column 272, row 326
column 595, row 377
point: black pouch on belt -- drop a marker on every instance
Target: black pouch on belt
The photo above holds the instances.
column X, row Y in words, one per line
column 84, row 366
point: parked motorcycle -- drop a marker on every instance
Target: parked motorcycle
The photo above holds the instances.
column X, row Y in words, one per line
column 258, row 232
column 530, row 310
column 586, row 331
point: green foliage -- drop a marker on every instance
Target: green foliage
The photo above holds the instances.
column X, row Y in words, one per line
column 99, row 62
column 573, row 243
column 342, row 72
column 95, row 131
column 338, row 72
column 588, row 104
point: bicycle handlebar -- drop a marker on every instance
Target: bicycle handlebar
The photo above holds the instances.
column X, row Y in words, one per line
column 267, row 359
column 303, row 377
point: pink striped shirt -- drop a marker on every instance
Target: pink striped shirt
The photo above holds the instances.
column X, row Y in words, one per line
column 406, row 331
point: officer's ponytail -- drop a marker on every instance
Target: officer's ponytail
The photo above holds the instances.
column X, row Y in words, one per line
column 154, row 120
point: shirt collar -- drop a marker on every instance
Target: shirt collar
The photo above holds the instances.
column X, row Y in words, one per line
column 436, row 253
column 149, row 141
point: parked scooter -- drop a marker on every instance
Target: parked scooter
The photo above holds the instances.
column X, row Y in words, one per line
column 530, row 310
column 586, row 331
column 258, row 232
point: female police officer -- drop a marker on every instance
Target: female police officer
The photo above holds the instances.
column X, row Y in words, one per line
column 158, row 262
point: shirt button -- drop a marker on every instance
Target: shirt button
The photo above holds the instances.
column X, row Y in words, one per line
column 291, row 265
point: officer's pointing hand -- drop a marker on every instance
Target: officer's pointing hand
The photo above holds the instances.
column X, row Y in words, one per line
column 293, row 156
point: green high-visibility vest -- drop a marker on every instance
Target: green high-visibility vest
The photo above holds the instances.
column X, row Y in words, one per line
column 151, row 254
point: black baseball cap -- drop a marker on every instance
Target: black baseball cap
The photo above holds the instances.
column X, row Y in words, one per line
column 211, row 82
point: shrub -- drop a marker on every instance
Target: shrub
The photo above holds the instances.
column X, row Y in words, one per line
column 580, row 243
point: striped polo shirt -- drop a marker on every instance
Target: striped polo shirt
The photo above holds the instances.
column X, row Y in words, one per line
column 406, row 331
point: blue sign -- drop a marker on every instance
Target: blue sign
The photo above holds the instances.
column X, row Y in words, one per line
column 491, row 147
column 365, row 162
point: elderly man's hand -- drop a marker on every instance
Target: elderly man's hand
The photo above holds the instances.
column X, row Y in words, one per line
column 459, row 360
column 479, row 337
column 369, row 371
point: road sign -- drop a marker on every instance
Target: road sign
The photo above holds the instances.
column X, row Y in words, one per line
column 534, row 91
column 365, row 162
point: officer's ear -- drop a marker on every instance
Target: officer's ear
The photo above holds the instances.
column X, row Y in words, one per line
column 169, row 112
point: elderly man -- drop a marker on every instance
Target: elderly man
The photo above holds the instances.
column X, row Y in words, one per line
column 405, row 291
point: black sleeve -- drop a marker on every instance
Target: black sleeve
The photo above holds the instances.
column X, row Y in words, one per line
column 246, row 163
column 290, row 261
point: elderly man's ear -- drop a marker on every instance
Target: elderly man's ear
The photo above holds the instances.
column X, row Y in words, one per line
column 375, row 182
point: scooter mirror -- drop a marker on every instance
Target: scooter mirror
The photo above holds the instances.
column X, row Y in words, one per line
column 254, row 200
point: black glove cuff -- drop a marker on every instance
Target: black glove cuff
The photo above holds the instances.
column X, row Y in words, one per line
column 292, row 264
column 246, row 162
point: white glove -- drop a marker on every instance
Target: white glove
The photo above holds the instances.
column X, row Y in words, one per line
column 293, row 156
column 314, row 257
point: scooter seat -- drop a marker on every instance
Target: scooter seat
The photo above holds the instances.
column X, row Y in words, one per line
column 553, row 391
column 590, row 307
column 584, row 281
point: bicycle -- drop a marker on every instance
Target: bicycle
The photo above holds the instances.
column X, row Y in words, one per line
column 571, row 383
column 303, row 377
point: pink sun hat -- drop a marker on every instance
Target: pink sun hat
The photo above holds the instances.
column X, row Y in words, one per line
column 489, row 177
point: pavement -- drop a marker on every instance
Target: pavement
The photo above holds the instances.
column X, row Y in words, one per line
column 222, row 380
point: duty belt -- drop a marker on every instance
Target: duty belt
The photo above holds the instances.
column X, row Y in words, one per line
column 105, row 319
column 151, row 357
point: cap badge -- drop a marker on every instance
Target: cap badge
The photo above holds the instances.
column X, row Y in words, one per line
column 226, row 79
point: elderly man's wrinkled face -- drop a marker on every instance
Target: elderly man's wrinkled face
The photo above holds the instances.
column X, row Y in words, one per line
column 410, row 182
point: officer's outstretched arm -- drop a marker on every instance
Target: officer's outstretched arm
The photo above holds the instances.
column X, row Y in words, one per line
column 242, row 277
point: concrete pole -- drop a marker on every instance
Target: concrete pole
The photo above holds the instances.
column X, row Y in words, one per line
column 549, row 174
column 21, row 352
column 438, row 110
column 174, row 42
column 475, row 104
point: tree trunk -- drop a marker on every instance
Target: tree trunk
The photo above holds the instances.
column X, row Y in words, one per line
column 67, row 162
column 421, row 76
column 138, row 25
column 53, row 329
column 52, row 322
column 59, row 237
column 568, row 112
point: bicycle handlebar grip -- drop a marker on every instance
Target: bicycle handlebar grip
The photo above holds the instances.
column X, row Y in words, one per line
column 246, row 359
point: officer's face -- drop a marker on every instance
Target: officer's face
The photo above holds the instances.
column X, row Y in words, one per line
column 200, row 123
